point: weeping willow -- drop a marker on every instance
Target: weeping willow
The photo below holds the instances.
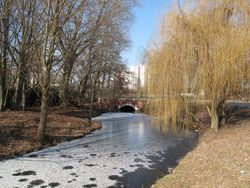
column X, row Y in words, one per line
column 205, row 51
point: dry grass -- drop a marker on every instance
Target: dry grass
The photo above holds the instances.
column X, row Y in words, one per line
column 18, row 130
column 220, row 160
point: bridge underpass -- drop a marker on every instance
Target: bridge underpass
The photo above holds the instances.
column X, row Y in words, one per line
column 130, row 105
column 128, row 108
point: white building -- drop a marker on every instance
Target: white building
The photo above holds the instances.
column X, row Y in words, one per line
column 137, row 76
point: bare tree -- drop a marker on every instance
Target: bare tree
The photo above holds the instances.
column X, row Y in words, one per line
column 49, row 43
column 52, row 14
column 5, row 16
column 25, row 33
column 105, row 30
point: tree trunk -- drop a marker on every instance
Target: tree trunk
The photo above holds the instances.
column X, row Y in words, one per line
column 92, row 95
column 43, row 118
column 21, row 78
column 19, row 92
column 91, row 105
column 102, row 90
column 222, row 113
column 214, row 118
column 67, row 69
column 23, row 102
column 44, row 105
column 217, row 115
column 83, row 84
column 2, row 95
column 63, row 93
column 49, row 44
column 82, row 90
column 2, row 87
column 3, row 60
column 64, row 89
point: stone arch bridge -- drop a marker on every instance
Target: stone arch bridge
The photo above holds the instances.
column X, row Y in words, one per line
column 130, row 105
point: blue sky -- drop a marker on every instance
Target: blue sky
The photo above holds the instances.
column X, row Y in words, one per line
column 148, row 17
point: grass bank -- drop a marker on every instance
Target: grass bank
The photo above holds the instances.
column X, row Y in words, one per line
column 18, row 129
column 219, row 160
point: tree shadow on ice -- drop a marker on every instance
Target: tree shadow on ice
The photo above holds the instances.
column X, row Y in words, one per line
column 161, row 163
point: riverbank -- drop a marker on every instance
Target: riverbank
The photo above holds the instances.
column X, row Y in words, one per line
column 127, row 152
column 219, row 160
column 18, row 129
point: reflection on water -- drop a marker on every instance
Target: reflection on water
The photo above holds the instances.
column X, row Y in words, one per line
column 137, row 134
column 135, row 130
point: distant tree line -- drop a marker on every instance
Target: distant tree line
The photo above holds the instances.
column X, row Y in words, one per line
column 68, row 47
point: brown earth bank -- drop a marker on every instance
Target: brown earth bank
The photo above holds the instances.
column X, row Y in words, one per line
column 18, row 129
column 220, row 159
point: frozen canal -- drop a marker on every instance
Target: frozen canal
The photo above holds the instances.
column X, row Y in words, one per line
column 127, row 152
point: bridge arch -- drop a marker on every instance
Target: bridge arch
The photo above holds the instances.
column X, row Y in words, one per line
column 128, row 108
